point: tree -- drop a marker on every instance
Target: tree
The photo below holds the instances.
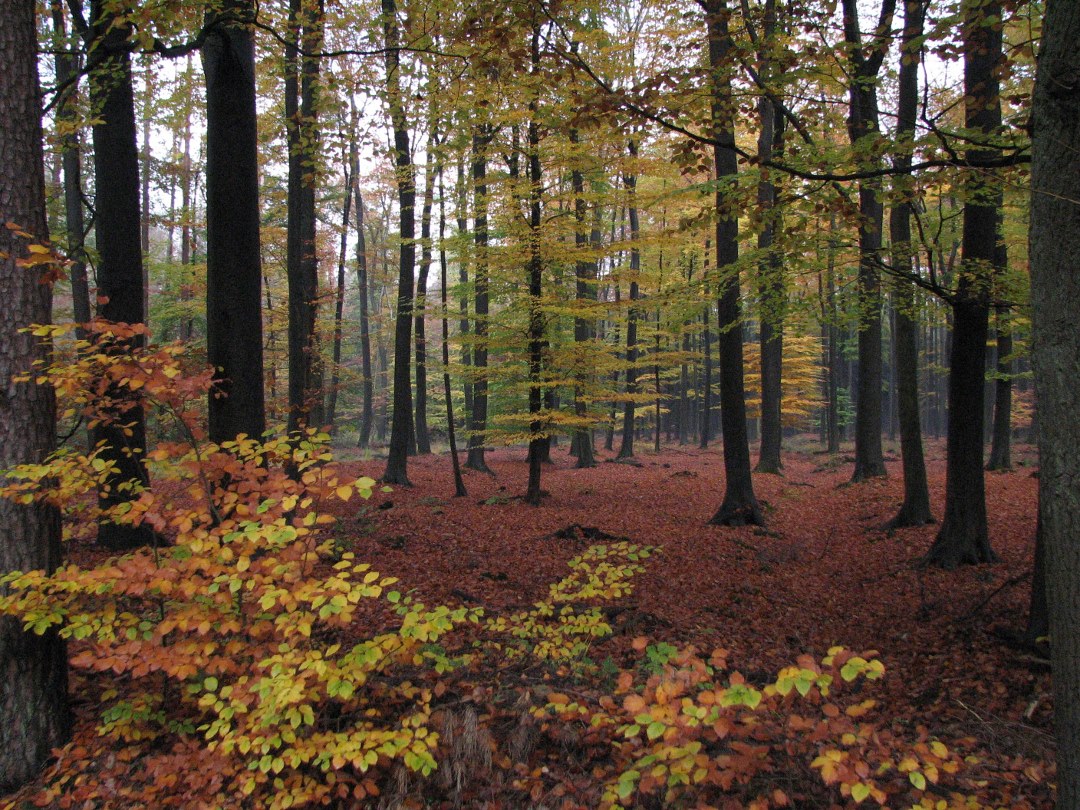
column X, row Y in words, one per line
column 302, row 262
column 740, row 506
column 117, row 227
column 233, row 266
column 915, row 510
column 34, row 716
column 963, row 538
column 1055, row 298
column 405, row 174
column 863, row 127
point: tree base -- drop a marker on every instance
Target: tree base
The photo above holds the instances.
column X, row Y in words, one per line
column 864, row 472
column 910, row 517
column 738, row 514
column 950, row 552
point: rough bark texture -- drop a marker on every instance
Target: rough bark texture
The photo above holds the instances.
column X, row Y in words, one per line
column 34, row 714
column 119, row 245
column 862, row 127
column 233, row 266
column 740, row 506
column 400, row 428
column 915, row 510
column 302, row 261
column 1055, row 299
column 963, row 538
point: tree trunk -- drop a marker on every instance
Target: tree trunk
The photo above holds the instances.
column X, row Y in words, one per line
column 234, row 331
column 626, row 447
column 423, row 437
column 740, row 506
column 120, row 263
column 400, row 429
column 67, row 71
column 863, row 127
column 34, row 715
column 351, row 166
column 1055, row 299
column 915, row 510
column 479, row 415
column 302, row 261
column 1000, row 447
column 459, row 482
column 585, row 271
column 963, row 538
column 535, row 273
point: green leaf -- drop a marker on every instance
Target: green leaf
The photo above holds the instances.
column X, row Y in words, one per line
column 917, row 779
column 859, row 791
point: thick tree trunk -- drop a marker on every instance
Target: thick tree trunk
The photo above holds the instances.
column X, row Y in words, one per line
column 401, row 438
column 120, row 262
column 34, row 715
column 1055, row 299
column 740, row 506
column 963, row 538
column 915, row 510
column 234, row 333
column 451, row 434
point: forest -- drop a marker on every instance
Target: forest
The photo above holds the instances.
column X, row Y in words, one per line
column 540, row 404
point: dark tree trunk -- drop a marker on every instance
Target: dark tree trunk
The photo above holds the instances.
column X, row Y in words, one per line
column 740, row 506
column 535, row 272
column 302, row 263
column 585, row 271
column 461, row 212
column 400, row 430
column 626, row 447
column 478, row 416
column 1038, row 621
column 771, row 286
column 1055, row 299
column 963, row 538
column 915, row 510
column 1001, row 444
column 67, row 71
column 863, row 127
column 351, row 166
column 451, row 434
column 234, row 332
column 423, row 436
column 363, row 283
column 706, row 368
column 120, row 264
column 34, row 715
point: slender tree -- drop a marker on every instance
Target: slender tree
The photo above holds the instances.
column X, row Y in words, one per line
column 915, row 510
column 34, row 716
column 401, row 430
column 863, row 127
column 626, row 447
column 740, row 506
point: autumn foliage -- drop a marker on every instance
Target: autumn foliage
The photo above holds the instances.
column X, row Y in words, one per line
column 226, row 667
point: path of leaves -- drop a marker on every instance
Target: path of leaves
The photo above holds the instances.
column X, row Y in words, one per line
column 824, row 572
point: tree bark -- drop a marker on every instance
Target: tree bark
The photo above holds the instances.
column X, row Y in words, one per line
column 740, row 506
column 963, row 538
column 423, row 437
column 1000, row 446
column 915, row 510
column 626, row 446
column 1055, row 299
column 120, row 263
column 401, row 438
column 581, row 445
column 234, row 333
column 535, row 274
column 479, row 415
column 34, row 714
column 302, row 261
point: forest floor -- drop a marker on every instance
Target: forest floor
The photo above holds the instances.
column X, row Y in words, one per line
column 823, row 572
